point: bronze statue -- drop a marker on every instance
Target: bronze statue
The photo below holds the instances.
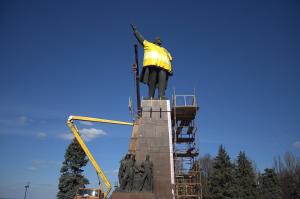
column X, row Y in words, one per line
column 131, row 173
column 127, row 169
column 133, row 177
column 157, row 65
column 147, row 180
column 122, row 168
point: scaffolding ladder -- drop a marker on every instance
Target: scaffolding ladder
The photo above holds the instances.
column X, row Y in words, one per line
column 184, row 130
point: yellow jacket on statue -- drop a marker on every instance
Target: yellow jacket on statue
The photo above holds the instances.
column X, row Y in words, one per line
column 155, row 55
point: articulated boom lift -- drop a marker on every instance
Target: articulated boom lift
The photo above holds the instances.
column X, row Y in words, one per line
column 84, row 193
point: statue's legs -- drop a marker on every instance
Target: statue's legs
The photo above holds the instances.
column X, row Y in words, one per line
column 123, row 183
column 131, row 179
column 142, row 182
column 157, row 77
column 152, row 82
column 162, row 84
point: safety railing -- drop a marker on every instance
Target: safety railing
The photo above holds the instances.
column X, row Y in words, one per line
column 184, row 100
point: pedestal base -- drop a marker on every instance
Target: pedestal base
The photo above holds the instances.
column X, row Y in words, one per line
column 152, row 135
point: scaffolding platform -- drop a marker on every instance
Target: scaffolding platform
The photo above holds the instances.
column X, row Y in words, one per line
column 185, row 139
column 186, row 154
column 187, row 175
column 185, row 112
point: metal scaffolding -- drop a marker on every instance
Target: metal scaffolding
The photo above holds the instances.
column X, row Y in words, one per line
column 187, row 168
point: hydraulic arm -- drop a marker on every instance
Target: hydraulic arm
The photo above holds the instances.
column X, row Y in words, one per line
column 75, row 131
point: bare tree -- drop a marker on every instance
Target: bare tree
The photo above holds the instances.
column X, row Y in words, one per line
column 206, row 163
column 288, row 171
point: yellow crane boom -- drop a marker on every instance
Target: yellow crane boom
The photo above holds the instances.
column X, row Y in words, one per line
column 76, row 133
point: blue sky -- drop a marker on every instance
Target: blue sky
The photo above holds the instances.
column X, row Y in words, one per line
column 61, row 58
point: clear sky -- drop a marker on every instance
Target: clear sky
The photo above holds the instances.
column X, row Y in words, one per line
column 61, row 58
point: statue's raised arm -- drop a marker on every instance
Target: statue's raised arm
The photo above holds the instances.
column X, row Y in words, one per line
column 137, row 34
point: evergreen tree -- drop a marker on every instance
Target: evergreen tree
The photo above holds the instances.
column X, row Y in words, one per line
column 221, row 181
column 71, row 173
column 269, row 185
column 245, row 179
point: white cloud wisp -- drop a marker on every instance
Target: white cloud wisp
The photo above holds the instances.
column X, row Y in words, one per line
column 41, row 135
column 297, row 144
column 86, row 134
column 86, row 123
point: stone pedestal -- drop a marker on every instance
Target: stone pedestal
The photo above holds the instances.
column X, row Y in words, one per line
column 152, row 135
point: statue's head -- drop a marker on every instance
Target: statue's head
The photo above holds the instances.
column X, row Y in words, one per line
column 157, row 41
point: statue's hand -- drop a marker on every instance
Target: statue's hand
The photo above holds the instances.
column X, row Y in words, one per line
column 133, row 27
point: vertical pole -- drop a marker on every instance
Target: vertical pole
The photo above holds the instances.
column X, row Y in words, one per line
column 26, row 187
column 137, row 79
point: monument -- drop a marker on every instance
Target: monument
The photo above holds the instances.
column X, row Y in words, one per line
column 147, row 171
